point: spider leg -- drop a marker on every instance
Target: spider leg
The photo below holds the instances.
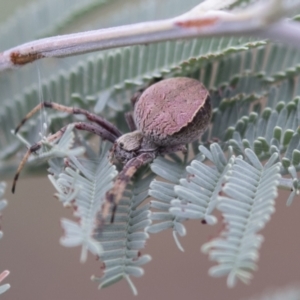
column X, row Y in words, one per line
column 130, row 122
column 114, row 196
column 76, row 111
column 93, row 128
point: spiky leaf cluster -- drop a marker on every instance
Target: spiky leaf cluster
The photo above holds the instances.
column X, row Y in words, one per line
column 123, row 240
column 163, row 192
column 250, row 189
column 197, row 194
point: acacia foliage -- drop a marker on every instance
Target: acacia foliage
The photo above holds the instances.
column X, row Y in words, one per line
column 255, row 95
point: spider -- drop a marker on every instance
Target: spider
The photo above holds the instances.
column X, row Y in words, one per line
column 167, row 115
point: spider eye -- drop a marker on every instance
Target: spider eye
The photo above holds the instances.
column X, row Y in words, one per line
column 121, row 145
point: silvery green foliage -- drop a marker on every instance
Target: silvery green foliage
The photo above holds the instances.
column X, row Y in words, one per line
column 3, row 204
column 83, row 185
column 164, row 192
column 190, row 192
column 123, row 240
column 251, row 189
column 197, row 194
column 273, row 131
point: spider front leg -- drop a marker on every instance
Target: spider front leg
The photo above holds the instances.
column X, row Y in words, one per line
column 93, row 128
column 114, row 196
column 76, row 111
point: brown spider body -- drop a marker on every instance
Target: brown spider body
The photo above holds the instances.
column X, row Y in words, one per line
column 167, row 115
column 173, row 111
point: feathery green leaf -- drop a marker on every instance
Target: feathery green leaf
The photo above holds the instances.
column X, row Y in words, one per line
column 123, row 240
column 251, row 189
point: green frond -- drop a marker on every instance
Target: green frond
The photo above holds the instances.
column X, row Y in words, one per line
column 272, row 130
column 240, row 83
column 241, row 104
column 83, row 185
column 123, row 240
column 197, row 194
column 271, row 63
column 233, row 103
column 251, row 189
column 164, row 192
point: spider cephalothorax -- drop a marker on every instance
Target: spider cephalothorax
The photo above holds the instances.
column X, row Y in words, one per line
column 167, row 115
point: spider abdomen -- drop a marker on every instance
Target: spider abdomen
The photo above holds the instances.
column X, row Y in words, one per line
column 173, row 111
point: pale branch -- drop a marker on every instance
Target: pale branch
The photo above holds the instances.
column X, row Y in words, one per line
column 263, row 19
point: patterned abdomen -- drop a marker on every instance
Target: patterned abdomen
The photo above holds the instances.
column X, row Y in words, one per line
column 173, row 111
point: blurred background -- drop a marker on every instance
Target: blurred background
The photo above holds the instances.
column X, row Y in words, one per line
column 42, row 269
